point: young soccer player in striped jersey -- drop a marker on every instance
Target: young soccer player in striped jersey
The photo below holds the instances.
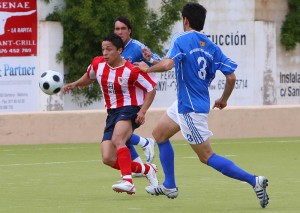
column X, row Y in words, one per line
column 128, row 94
column 136, row 51
column 196, row 60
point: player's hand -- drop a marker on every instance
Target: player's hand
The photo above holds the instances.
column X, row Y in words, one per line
column 68, row 87
column 220, row 104
column 146, row 54
column 140, row 119
column 142, row 66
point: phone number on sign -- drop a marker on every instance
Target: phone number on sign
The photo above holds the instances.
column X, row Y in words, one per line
column 21, row 50
column 239, row 84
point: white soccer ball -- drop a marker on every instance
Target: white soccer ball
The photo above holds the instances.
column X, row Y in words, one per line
column 51, row 82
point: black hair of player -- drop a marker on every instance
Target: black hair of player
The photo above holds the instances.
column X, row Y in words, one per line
column 115, row 40
column 125, row 21
column 196, row 14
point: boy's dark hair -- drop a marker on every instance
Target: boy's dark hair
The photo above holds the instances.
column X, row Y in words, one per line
column 125, row 21
column 196, row 14
column 115, row 40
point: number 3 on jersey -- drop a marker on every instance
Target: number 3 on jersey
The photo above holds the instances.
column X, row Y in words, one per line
column 202, row 71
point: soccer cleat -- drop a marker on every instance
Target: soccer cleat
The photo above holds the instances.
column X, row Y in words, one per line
column 261, row 190
column 124, row 186
column 149, row 150
column 161, row 190
column 137, row 175
column 151, row 176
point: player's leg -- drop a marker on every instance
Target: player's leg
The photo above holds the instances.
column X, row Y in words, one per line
column 136, row 158
column 165, row 129
column 108, row 153
column 221, row 164
column 230, row 169
column 122, row 132
column 134, row 155
column 119, row 137
column 147, row 144
column 195, row 129
column 148, row 170
column 108, row 150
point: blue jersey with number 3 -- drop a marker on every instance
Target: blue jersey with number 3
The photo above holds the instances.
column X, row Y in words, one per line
column 196, row 61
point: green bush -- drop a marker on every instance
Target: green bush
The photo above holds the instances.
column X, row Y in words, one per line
column 290, row 30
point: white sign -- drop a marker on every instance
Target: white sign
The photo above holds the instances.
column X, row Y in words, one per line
column 166, row 91
column 18, row 84
column 237, row 43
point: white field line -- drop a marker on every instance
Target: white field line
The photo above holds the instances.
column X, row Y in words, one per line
column 258, row 142
column 195, row 157
column 249, row 142
column 47, row 163
column 41, row 149
column 173, row 143
column 89, row 161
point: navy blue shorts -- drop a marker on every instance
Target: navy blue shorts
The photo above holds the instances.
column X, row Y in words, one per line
column 115, row 115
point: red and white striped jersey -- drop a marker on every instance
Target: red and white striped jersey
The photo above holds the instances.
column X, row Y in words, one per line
column 121, row 86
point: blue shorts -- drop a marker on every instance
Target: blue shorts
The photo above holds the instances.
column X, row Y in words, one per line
column 115, row 115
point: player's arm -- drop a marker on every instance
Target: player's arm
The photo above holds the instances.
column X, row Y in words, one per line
column 82, row 82
column 149, row 97
column 229, row 86
column 147, row 54
column 162, row 66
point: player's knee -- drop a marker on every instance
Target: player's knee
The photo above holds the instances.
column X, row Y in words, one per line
column 204, row 157
column 158, row 135
column 108, row 161
column 118, row 143
column 203, row 160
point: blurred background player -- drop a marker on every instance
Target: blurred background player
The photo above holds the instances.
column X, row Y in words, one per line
column 136, row 51
column 128, row 94
column 196, row 60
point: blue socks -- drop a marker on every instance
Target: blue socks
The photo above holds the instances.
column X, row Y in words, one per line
column 228, row 168
column 135, row 139
column 221, row 164
column 166, row 155
column 133, row 152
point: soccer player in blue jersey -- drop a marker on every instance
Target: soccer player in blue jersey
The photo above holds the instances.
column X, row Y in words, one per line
column 136, row 51
column 196, row 60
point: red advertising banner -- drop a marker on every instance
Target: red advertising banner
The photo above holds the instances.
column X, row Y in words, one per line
column 18, row 28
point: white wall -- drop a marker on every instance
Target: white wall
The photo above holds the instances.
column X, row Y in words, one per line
column 50, row 36
column 50, row 41
column 86, row 126
column 46, row 8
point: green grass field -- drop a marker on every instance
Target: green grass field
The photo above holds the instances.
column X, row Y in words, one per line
column 70, row 178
